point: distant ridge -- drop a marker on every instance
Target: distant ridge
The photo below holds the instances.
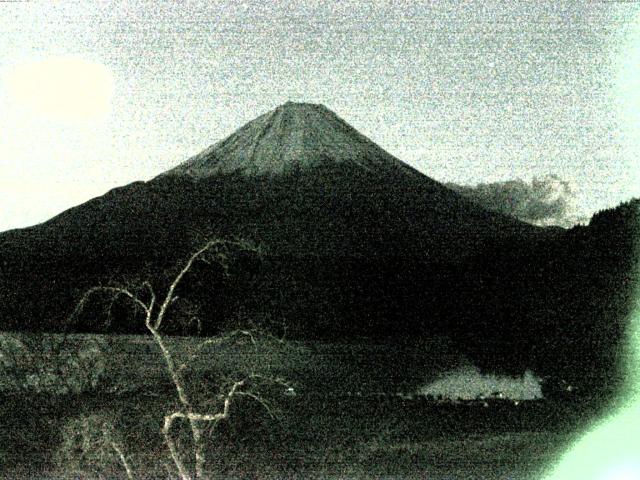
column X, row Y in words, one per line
column 294, row 136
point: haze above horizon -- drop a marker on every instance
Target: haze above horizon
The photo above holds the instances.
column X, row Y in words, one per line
column 96, row 96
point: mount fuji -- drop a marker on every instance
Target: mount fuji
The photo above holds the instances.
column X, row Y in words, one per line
column 354, row 242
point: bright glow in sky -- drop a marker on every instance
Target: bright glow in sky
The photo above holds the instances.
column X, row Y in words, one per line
column 61, row 87
column 466, row 92
column 54, row 111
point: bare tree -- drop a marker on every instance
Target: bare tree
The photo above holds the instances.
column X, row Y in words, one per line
column 155, row 311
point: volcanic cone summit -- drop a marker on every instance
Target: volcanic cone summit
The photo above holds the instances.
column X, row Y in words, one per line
column 294, row 136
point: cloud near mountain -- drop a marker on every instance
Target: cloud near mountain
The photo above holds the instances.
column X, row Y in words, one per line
column 549, row 200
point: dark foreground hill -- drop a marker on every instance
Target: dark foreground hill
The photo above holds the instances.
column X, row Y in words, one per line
column 563, row 306
column 355, row 243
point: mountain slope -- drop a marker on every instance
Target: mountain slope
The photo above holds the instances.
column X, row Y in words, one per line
column 292, row 137
column 294, row 173
column 352, row 236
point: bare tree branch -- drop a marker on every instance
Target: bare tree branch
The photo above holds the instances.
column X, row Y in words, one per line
column 260, row 400
column 193, row 419
column 120, row 454
column 153, row 327
column 198, row 254
column 153, row 324
column 116, row 291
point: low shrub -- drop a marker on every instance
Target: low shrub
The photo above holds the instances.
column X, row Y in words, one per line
column 90, row 445
column 55, row 364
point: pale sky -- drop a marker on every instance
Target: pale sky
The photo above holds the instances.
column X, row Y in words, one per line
column 97, row 95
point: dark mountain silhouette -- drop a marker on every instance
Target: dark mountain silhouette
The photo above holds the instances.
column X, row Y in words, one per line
column 356, row 243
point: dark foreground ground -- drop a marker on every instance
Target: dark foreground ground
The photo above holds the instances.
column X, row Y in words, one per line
column 321, row 431
column 314, row 437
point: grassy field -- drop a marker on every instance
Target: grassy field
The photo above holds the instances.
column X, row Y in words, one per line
column 344, row 421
